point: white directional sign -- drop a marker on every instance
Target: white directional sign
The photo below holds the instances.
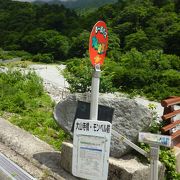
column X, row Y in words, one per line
column 91, row 145
column 156, row 139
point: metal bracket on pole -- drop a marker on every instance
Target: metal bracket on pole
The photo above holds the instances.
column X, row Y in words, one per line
column 128, row 142
column 154, row 155
column 95, row 93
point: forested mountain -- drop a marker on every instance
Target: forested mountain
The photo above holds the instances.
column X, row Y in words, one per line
column 142, row 24
column 37, row 28
column 144, row 38
column 74, row 4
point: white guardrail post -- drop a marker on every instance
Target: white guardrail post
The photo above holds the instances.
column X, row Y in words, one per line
column 154, row 158
column 95, row 93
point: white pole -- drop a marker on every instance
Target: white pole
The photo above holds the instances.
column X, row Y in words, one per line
column 154, row 156
column 95, row 93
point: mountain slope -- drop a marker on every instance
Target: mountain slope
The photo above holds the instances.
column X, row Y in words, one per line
column 78, row 4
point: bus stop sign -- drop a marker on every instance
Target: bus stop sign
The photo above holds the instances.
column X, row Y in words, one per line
column 98, row 43
column 91, row 146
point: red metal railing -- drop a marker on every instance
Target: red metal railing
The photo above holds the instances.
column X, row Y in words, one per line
column 171, row 125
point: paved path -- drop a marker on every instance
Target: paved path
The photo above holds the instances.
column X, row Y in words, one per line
column 54, row 82
column 51, row 73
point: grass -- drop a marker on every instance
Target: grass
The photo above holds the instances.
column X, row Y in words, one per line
column 24, row 103
column 19, row 64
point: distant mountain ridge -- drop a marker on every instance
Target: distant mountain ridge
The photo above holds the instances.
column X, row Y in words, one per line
column 77, row 4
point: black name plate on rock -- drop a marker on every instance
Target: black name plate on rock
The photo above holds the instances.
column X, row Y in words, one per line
column 105, row 113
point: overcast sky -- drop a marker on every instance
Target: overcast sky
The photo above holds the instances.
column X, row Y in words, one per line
column 43, row 0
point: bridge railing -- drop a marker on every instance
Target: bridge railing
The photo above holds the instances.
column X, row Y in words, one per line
column 171, row 119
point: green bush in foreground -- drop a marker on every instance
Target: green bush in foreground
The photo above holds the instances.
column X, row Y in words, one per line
column 151, row 74
column 45, row 58
column 23, row 97
column 166, row 155
column 4, row 55
column 79, row 74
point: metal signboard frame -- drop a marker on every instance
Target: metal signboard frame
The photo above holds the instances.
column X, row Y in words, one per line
column 155, row 139
column 91, row 146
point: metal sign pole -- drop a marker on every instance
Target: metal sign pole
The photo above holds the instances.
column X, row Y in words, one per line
column 155, row 141
column 95, row 93
column 154, row 155
column 91, row 142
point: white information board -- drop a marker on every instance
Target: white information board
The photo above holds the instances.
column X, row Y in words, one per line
column 161, row 140
column 91, row 146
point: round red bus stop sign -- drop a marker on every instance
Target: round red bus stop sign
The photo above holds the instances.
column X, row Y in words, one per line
column 98, row 43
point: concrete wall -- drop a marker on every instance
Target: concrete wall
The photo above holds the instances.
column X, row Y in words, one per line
column 126, row 168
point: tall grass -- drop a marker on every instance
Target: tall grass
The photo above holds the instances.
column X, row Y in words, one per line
column 23, row 97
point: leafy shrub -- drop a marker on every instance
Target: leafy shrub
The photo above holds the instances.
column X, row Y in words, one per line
column 79, row 75
column 45, row 58
column 18, row 91
column 19, row 53
column 154, row 74
column 12, row 47
column 13, row 54
column 23, row 97
column 4, row 55
column 151, row 74
column 168, row 158
column 27, row 58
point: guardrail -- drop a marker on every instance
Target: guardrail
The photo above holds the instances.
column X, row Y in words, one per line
column 171, row 124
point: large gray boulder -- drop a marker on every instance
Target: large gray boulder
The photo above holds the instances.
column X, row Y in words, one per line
column 129, row 117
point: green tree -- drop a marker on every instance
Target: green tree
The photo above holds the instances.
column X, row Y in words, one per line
column 137, row 40
column 114, row 49
column 80, row 45
column 49, row 41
